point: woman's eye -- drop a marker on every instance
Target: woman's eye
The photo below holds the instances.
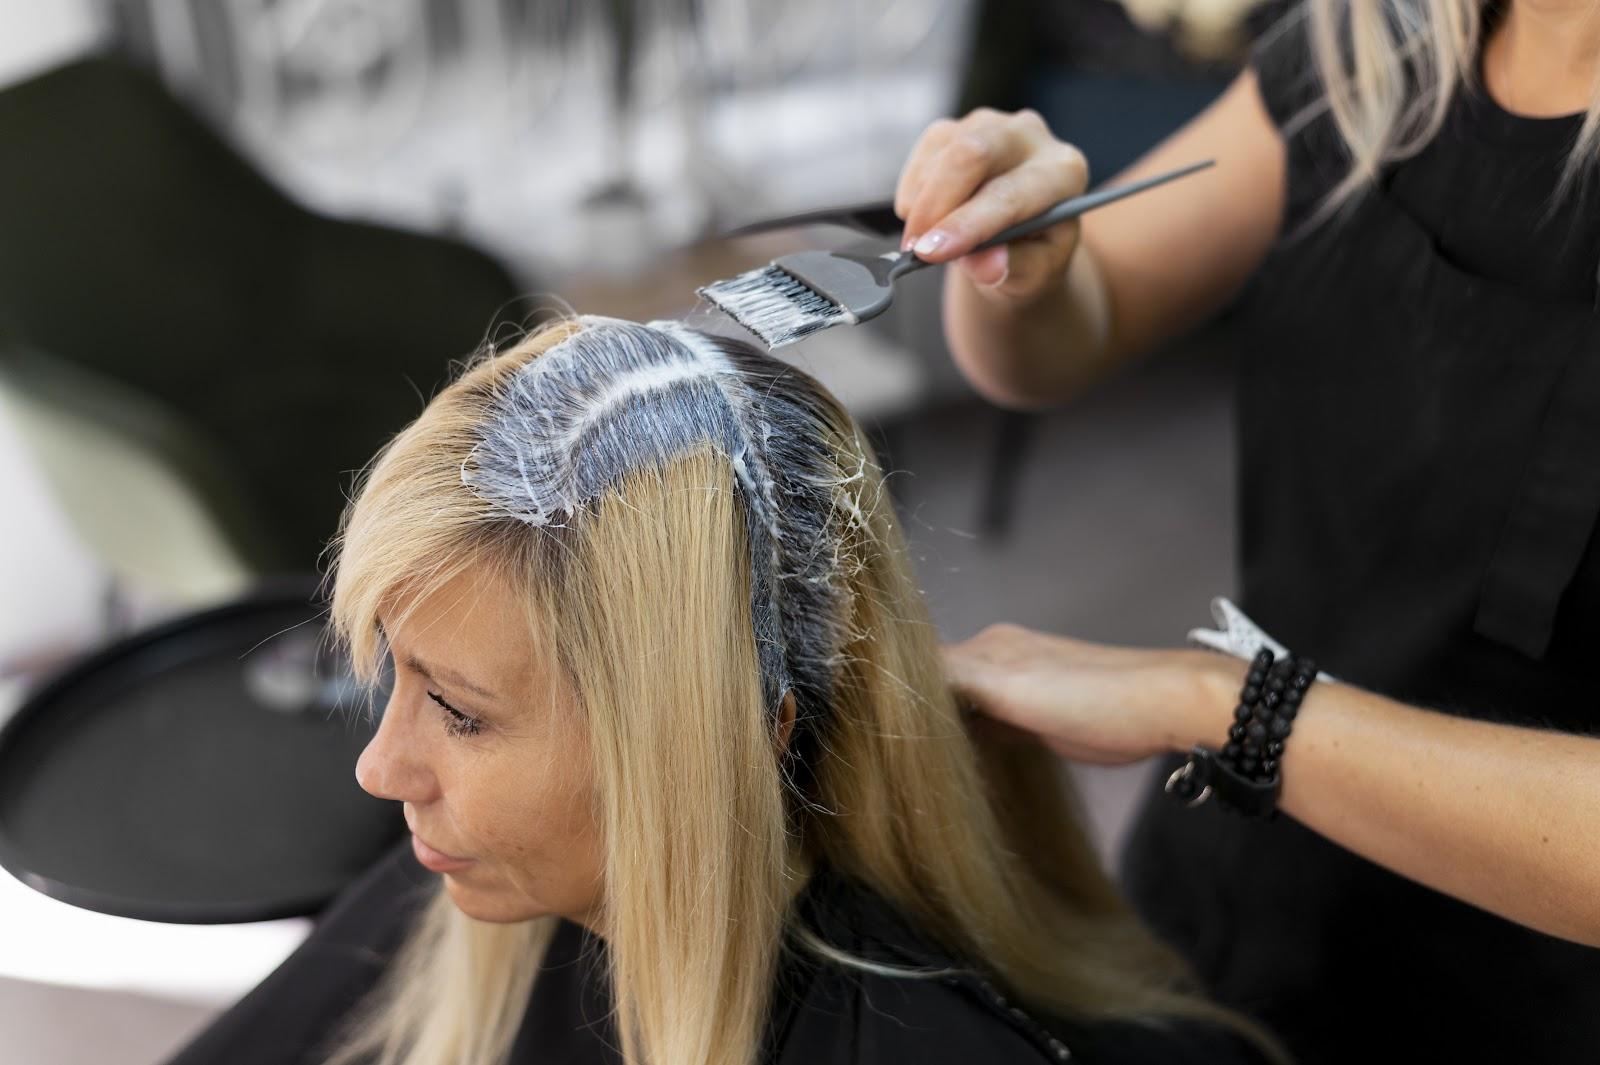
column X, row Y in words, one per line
column 456, row 723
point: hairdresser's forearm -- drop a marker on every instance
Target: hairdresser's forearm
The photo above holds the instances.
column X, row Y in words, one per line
column 1035, row 355
column 1503, row 817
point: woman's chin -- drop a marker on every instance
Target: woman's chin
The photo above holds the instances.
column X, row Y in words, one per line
column 491, row 907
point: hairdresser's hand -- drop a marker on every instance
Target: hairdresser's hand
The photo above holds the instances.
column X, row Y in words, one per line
column 967, row 179
column 1095, row 703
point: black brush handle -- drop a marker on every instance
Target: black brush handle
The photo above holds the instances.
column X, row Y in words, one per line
column 906, row 262
column 1089, row 201
column 878, row 218
column 875, row 219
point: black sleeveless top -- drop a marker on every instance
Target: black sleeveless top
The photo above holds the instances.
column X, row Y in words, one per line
column 1418, row 424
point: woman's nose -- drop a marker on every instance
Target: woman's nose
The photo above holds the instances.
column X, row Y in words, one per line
column 392, row 766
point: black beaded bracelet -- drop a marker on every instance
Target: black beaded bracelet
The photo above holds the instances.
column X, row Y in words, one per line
column 1244, row 773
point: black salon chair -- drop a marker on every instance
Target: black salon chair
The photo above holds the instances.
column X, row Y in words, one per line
column 135, row 242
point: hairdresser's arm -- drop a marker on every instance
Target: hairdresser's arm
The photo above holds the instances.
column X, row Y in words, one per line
column 1503, row 817
column 1032, row 324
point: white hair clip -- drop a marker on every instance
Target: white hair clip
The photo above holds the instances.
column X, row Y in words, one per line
column 1237, row 635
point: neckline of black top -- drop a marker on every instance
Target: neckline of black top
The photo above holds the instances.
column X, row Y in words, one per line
column 1488, row 120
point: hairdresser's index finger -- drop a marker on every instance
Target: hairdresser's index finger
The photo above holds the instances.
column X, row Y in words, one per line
column 982, row 148
column 914, row 174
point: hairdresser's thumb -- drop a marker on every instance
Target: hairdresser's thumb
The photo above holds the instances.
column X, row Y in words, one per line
column 990, row 267
column 1022, row 269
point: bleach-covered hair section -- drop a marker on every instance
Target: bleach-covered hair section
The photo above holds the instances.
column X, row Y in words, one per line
column 616, row 396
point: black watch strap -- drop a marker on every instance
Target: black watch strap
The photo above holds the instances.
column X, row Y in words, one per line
column 1205, row 775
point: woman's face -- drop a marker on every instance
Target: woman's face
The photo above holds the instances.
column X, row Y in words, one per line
column 505, row 779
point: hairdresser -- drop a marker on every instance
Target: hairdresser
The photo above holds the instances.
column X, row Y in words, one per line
column 1408, row 869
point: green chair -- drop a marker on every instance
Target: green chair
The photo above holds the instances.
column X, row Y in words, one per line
column 136, row 244
column 141, row 491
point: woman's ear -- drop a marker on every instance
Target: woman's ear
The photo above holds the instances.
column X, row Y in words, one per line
column 785, row 721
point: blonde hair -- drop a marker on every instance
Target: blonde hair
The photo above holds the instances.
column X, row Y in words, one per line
column 1389, row 70
column 646, row 595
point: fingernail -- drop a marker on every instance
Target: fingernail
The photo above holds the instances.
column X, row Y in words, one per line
column 988, row 268
column 1004, row 259
column 907, row 241
column 931, row 242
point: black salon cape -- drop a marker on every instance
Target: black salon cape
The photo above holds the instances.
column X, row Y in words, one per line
column 824, row 1013
column 1418, row 428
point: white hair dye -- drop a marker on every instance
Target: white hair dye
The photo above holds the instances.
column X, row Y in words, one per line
column 617, row 396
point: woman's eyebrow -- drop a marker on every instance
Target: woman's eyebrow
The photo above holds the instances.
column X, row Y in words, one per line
column 437, row 673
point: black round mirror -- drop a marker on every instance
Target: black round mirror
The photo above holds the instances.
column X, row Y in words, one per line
column 200, row 772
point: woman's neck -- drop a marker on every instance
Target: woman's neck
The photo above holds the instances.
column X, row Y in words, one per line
column 1541, row 57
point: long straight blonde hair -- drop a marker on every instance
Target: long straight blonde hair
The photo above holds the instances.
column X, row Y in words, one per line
column 646, row 601
column 1389, row 70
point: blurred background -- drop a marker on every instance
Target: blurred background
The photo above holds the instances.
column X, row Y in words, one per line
column 241, row 242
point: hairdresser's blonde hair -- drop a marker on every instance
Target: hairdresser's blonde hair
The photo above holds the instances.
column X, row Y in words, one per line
column 1389, row 70
column 648, row 600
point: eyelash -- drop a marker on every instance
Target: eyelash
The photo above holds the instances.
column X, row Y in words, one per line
column 457, row 723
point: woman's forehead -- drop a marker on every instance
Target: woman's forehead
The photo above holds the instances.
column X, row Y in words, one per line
column 473, row 630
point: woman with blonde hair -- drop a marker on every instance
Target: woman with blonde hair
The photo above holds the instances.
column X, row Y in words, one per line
column 1402, row 226
column 668, row 722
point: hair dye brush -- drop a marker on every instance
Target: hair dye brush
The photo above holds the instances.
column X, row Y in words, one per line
column 804, row 293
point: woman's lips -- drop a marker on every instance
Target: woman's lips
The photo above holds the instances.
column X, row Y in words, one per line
column 437, row 861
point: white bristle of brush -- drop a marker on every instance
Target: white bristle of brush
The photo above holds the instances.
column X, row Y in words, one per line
column 775, row 305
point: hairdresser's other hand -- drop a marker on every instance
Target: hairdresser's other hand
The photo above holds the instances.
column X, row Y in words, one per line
column 967, row 179
column 1092, row 702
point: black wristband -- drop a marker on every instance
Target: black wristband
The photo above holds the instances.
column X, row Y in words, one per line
column 1244, row 773
column 1205, row 775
